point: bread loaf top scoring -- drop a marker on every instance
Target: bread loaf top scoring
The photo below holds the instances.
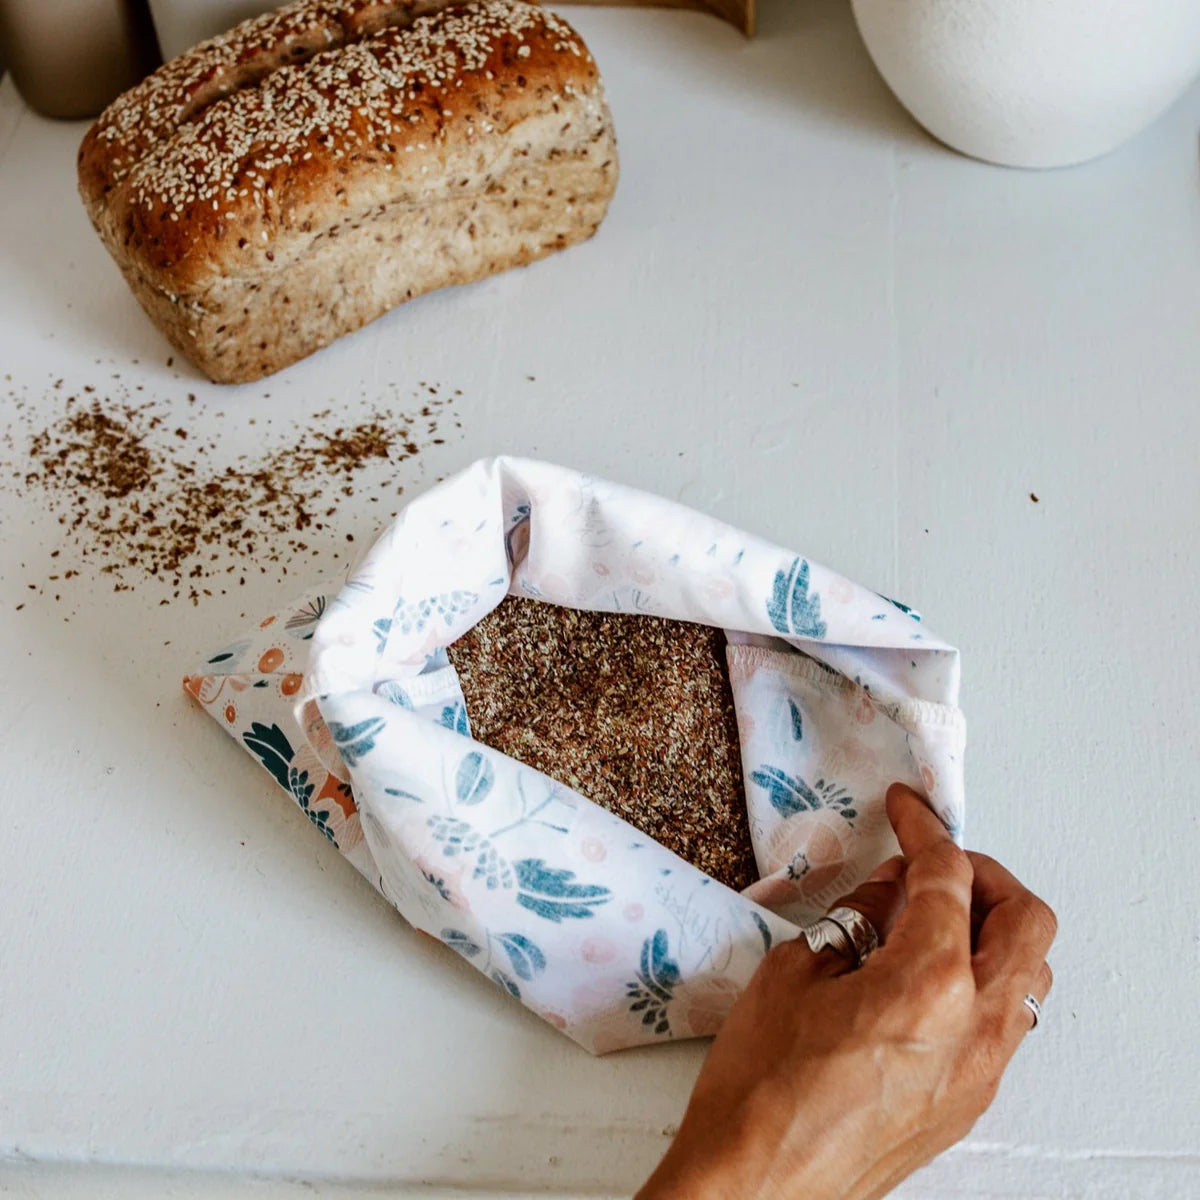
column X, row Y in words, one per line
column 236, row 151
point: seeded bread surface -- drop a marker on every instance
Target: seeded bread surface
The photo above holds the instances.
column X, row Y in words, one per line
column 286, row 183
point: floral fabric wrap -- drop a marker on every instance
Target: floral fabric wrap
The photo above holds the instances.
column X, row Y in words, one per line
column 350, row 702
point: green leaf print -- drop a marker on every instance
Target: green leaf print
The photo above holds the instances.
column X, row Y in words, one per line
column 788, row 794
column 797, row 721
column 526, row 958
column 505, row 981
column 654, row 988
column 474, row 779
column 356, row 741
column 763, row 930
column 461, row 943
column 554, row 894
column 904, row 608
column 791, row 609
column 273, row 749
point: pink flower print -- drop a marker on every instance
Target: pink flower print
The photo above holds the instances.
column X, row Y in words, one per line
column 812, row 847
column 640, row 573
column 350, row 836
column 864, row 710
column 927, row 779
column 600, row 568
column 554, row 1018
column 593, row 849
column 774, row 892
column 633, row 912
column 850, row 757
column 596, row 950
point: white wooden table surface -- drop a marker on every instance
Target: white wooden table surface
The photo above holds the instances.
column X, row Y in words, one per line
column 802, row 315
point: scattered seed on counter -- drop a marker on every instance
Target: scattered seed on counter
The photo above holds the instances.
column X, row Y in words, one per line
column 140, row 491
column 634, row 712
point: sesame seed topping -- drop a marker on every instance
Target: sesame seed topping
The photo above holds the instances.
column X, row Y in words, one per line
column 225, row 118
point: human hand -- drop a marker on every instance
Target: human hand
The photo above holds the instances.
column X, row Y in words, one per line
column 830, row 1083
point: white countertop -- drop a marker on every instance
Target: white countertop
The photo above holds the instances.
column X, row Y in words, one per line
column 802, row 315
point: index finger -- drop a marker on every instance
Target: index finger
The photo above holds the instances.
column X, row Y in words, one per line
column 937, row 917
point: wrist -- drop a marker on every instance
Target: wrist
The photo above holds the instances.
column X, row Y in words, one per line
column 745, row 1159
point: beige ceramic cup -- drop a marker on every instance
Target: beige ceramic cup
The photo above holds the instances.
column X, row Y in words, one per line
column 69, row 58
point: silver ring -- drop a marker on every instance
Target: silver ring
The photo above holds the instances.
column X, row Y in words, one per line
column 1031, row 1003
column 846, row 931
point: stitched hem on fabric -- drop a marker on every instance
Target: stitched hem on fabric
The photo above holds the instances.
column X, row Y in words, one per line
column 904, row 710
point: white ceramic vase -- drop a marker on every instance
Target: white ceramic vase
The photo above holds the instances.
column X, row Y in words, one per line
column 1033, row 83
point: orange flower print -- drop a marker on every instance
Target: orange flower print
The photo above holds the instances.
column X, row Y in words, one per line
column 271, row 660
column 339, row 793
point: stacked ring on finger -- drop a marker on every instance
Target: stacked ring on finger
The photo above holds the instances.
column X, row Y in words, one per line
column 1031, row 1002
column 847, row 932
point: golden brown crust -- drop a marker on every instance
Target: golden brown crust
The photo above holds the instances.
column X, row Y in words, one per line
column 228, row 160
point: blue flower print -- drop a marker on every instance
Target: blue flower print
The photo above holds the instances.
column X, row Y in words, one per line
column 458, row 837
column 413, row 617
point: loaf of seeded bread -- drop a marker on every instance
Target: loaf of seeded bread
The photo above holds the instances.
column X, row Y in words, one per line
column 292, row 180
